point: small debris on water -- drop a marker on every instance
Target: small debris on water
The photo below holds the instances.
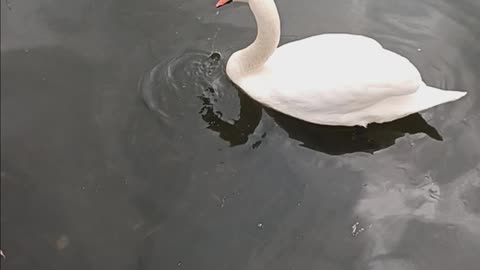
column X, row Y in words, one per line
column 356, row 229
column 2, row 255
column 62, row 242
column 221, row 201
column 179, row 263
column 260, row 225
column 419, row 50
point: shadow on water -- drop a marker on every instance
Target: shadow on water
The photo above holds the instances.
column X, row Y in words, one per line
column 194, row 83
column 337, row 140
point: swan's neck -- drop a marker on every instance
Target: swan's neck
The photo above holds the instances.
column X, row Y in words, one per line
column 256, row 54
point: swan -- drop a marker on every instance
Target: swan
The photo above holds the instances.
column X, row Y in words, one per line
column 335, row 79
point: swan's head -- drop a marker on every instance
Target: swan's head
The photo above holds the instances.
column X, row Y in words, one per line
column 222, row 3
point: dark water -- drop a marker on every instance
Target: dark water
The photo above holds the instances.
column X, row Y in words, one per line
column 125, row 146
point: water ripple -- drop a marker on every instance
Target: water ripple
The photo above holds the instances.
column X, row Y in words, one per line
column 194, row 83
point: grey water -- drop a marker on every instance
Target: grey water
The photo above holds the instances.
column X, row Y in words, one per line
column 125, row 146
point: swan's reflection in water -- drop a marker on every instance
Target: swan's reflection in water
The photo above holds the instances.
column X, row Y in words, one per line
column 235, row 132
column 195, row 83
column 335, row 140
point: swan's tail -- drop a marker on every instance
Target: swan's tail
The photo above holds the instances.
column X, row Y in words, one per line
column 428, row 97
column 424, row 98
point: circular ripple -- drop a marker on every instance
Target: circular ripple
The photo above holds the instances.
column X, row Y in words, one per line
column 195, row 84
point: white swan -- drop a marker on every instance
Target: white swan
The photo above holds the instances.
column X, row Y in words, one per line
column 329, row 79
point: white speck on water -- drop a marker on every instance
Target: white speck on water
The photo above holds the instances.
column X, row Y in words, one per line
column 3, row 255
column 179, row 263
column 356, row 229
column 26, row 50
column 221, row 201
column 419, row 50
column 260, row 225
column 218, row 12
column 410, row 140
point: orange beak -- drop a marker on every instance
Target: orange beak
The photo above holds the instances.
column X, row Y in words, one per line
column 222, row 3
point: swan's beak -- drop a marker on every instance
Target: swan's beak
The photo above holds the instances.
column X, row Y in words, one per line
column 222, row 3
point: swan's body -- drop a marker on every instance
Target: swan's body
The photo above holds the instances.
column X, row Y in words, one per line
column 329, row 79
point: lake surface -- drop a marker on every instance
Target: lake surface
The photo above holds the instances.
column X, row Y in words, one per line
column 125, row 146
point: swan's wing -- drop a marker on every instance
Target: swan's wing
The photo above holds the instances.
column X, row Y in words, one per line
column 339, row 73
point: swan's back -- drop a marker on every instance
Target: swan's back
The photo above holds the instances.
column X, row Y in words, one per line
column 335, row 73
